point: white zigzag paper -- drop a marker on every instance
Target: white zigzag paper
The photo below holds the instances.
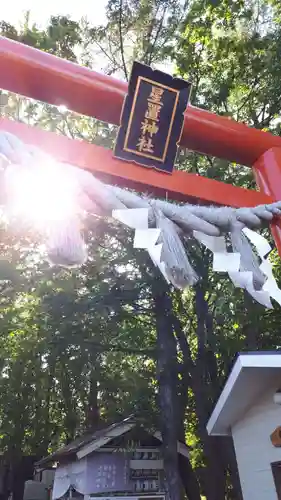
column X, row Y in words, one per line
column 135, row 218
column 223, row 261
column 145, row 237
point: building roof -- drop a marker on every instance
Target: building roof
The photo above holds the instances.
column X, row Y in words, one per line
column 252, row 374
column 105, row 434
column 86, row 444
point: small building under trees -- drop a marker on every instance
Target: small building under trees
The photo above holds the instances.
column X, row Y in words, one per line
column 249, row 410
column 122, row 458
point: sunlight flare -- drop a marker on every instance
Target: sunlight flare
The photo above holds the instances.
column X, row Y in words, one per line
column 41, row 195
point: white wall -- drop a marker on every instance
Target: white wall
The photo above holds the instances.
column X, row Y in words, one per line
column 47, row 477
column 254, row 450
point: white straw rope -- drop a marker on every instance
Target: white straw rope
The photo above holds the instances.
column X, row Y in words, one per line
column 160, row 226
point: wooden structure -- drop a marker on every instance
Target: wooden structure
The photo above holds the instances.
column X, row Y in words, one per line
column 120, row 459
column 44, row 77
column 41, row 76
column 249, row 410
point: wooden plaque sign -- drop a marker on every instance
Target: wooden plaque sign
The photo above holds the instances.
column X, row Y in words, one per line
column 152, row 118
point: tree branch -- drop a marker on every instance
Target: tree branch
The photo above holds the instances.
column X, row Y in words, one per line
column 110, row 347
column 156, row 37
column 121, row 40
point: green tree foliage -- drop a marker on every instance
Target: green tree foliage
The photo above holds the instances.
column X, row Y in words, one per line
column 78, row 346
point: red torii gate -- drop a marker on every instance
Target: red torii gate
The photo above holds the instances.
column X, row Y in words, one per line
column 39, row 75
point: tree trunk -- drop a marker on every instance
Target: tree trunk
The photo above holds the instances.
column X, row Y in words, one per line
column 189, row 479
column 188, row 475
column 93, row 413
column 167, row 382
column 5, row 476
column 216, row 466
column 21, row 470
column 228, row 450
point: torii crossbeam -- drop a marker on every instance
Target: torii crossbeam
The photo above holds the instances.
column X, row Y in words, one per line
column 39, row 75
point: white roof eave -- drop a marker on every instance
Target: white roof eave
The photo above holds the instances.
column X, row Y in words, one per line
column 252, row 373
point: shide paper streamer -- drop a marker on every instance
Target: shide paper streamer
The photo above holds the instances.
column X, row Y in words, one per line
column 223, row 261
column 58, row 196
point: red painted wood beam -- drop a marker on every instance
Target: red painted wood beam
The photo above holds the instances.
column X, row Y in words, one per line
column 267, row 172
column 42, row 76
column 179, row 186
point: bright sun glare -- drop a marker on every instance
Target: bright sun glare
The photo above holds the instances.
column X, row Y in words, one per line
column 41, row 195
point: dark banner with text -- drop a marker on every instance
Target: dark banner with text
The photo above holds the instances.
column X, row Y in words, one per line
column 152, row 118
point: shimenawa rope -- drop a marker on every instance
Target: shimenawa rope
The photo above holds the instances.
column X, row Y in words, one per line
column 160, row 227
